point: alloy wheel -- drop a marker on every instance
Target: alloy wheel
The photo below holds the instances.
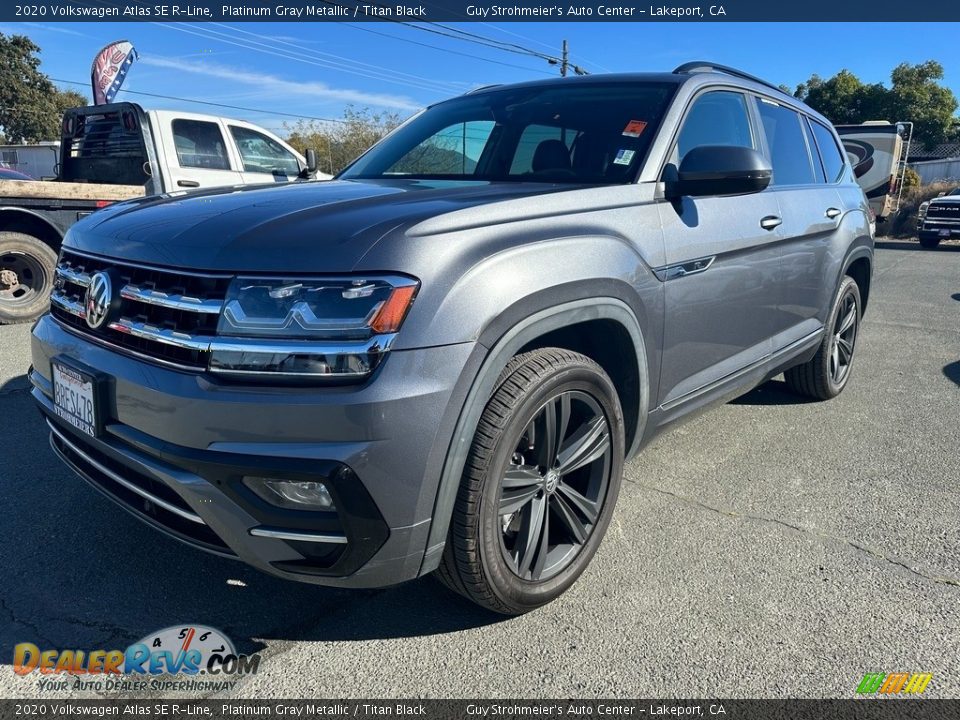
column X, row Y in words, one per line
column 554, row 488
column 844, row 339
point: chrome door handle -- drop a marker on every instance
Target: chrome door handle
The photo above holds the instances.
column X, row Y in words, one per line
column 832, row 213
column 188, row 183
column 770, row 222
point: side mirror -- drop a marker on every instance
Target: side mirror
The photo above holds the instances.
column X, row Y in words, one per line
column 720, row 170
column 311, row 169
column 941, row 194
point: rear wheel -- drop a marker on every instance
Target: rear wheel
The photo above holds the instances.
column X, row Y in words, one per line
column 929, row 243
column 27, row 266
column 826, row 375
column 539, row 485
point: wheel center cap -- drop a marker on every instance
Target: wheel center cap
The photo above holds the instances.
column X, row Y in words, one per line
column 9, row 278
column 551, row 480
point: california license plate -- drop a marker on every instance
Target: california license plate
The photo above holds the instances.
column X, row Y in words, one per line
column 945, row 233
column 75, row 398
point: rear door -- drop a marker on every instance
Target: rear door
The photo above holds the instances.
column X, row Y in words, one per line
column 811, row 210
column 723, row 259
column 197, row 153
column 262, row 158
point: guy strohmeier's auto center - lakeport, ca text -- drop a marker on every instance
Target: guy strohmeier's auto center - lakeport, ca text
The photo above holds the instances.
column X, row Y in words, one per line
column 396, row 11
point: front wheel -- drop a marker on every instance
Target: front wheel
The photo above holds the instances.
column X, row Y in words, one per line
column 826, row 375
column 539, row 485
column 27, row 266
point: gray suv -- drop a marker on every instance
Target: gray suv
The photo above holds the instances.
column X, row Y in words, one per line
column 442, row 359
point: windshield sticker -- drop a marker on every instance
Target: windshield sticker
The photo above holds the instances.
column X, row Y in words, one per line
column 634, row 128
column 624, row 157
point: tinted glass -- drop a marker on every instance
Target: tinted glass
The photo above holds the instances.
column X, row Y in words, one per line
column 716, row 118
column 818, row 168
column 452, row 151
column 576, row 132
column 833, row 159
column 788, row 147
column 263, row 154
column 200, row 145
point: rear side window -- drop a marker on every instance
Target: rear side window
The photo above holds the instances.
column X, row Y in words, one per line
column 830, row 154
column 789, row 154
column 200, row 145
column 716, row 118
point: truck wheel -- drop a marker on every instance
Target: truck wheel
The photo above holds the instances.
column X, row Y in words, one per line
column 539, row 484
column 826, row 375
column 929, row 243
column 27, row 267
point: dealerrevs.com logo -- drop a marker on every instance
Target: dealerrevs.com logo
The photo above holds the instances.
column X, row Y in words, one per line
column 190, row 650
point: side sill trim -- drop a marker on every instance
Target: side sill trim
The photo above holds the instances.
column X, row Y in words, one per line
column 808, row 339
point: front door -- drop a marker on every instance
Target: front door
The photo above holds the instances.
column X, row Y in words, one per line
column 722, row 263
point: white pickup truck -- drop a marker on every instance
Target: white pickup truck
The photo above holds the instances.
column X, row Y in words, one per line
column 117, row 152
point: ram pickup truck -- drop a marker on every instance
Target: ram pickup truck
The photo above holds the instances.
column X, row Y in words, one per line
column 939, row 219
column 442, row 359
column 116, row 152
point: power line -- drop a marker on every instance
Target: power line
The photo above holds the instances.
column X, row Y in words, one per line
column 286, row 55
column 446, row 50
column 208, row 102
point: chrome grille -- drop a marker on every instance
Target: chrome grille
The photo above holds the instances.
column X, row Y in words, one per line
column 166, row 315
column 943, row 211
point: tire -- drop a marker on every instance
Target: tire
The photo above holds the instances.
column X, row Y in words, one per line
column 825, row 376
column 488, row 557
column 929, row 243
column 27, row 267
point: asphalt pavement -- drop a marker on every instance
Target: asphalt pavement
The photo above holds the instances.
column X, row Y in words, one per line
column 771, row 547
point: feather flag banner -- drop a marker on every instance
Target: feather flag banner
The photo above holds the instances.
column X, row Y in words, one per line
column 109, row 70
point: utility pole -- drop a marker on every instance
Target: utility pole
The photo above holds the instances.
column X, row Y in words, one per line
column 564, row 62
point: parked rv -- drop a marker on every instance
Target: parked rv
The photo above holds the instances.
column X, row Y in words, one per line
column 117, row 152
column 878, row 151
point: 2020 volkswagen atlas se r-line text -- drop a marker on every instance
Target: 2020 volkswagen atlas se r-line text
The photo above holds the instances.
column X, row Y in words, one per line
column 442, row 359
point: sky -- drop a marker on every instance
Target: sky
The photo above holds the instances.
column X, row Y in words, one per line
column 313, row 70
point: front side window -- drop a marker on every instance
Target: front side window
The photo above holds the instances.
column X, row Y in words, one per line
column 831, row 156
column 789, row 154
column 716, row 118
column 587, row 132
column 200, row 144
column 263, row 154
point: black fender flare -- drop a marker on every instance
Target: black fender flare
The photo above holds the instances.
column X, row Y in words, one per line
column 484, row 383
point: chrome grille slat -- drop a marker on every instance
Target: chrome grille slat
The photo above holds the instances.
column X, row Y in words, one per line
column 162, row 335
column 72, row 276
column 74, row 307
column 172, row 301
column 166, row 315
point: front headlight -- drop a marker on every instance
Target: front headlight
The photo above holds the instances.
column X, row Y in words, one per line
column 331, row 327
column 922, row 212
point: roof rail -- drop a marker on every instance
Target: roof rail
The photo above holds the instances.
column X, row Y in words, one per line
column 482, row 87
column 707, row 66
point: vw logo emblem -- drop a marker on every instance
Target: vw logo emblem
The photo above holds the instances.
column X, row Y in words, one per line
column 98, row 299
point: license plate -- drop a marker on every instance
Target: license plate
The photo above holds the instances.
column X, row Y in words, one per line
column 75, row 398
column 945, row 233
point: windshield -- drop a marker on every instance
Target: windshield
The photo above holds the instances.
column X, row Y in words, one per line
column 596, row 133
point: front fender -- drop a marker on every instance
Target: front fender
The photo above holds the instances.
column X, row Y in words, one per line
column 507, row 345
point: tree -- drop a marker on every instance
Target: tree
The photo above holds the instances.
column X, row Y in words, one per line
column 339, row 143
column 30, row 104
column 915, row 95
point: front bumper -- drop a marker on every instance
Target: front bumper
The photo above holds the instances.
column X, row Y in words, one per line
column 175, row 446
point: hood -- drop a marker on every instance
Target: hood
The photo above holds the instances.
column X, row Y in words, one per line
column 326, row 226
